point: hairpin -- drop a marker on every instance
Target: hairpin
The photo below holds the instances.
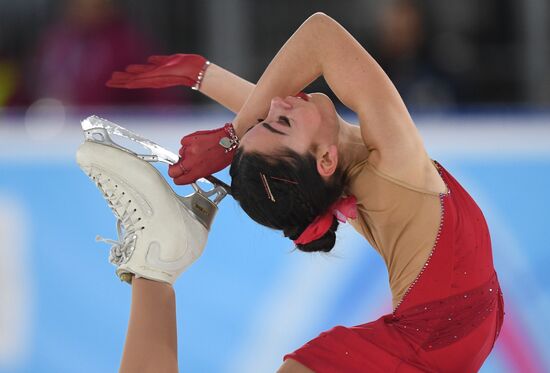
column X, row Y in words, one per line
column 284, row 180
column 266, row 187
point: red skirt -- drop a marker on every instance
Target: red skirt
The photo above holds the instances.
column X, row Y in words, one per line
column 449, row 319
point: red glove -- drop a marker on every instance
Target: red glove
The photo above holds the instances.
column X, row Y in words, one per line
column 162, row 71
column 204, row 153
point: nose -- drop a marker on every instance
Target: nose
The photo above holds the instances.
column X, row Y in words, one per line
column 278, row 102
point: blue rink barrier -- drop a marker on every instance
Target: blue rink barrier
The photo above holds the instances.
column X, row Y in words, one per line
column 250, row 299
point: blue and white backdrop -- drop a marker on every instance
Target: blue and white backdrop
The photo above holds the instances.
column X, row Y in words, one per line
column 250, row 298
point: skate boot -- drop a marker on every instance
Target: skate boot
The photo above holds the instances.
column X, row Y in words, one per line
column 160, row 233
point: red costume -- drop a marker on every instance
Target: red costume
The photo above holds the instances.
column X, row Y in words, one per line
column 449, row 319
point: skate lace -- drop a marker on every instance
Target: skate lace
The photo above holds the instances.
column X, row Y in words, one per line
column 127, row 226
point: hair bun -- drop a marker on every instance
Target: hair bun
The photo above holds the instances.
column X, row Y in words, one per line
column 323, row 244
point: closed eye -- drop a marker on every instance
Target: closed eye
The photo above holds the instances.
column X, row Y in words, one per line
column 268, row 126
column 259, row 121
column 284, row 119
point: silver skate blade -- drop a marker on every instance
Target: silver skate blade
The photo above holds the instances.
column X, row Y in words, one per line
column 200, row 204
column 217, row 182
column 218, row 192
column 203, row 204
column 158, row 153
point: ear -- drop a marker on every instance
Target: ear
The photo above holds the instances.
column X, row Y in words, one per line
column 327, row 161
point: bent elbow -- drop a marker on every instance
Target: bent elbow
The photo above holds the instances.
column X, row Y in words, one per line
column 318, row 17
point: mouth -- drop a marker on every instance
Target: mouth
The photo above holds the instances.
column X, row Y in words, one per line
column 304, row 96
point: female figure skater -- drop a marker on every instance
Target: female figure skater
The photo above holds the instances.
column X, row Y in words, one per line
column 297, row 166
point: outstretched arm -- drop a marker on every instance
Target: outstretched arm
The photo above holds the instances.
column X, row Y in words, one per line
column 151, row 341
column 188, row 70
column 225, row 88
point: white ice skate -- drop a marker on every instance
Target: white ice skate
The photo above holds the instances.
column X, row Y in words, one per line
column 160, row 233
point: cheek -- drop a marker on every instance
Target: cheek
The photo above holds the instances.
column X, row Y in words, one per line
column 303, row 141
column 313, row 122
column 252, row 134
column 250, row 138
column 259, row 140
column 308, row 118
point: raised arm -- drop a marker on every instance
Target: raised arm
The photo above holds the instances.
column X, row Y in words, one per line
column 225, row 88
column 188, row 70
column 321, row 46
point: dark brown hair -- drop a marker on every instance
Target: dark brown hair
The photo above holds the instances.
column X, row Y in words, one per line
column 295, row 193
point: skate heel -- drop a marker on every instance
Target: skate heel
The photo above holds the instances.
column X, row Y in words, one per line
column 201, row 204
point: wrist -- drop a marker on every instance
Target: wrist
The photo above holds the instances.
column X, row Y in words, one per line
column 230, row 142
column 200, row 76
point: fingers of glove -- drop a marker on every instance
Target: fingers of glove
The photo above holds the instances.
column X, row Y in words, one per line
column 201, row 170
column 151, row 80
column 199, row 149
column 183, row 168
column 194, row 157
column 195, row 139
column 154, row 82
column 138, row 69
column 141, row 81
column 158, row 60
column 132, row 84
column 175, row 170
column 214, row 159
column 184, row 174
column 118, row 83
column 185, row 81
column 187, row 178
column 189, row 170
column 191, row 160
column 216, row 134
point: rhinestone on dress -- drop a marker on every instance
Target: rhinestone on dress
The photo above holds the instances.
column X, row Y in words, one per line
column 439, row 229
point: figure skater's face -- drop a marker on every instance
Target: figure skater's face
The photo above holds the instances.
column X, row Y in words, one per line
column 294, row 123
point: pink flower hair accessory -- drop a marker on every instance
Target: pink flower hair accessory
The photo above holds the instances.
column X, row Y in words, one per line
column 343, row 209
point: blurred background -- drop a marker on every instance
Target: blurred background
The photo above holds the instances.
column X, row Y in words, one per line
column 475, row 75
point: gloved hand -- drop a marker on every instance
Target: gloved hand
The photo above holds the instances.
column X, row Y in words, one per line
column 161, row 72
column 204, row 153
